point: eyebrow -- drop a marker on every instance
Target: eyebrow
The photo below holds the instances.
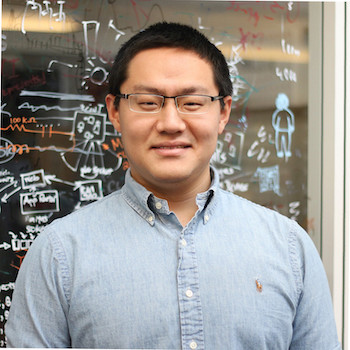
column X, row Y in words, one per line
column 184, row 91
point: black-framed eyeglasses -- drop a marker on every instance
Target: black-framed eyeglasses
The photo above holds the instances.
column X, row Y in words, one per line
column 152, row 103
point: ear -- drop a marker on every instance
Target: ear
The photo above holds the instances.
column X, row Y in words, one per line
column 225, row 114
column 113, row 112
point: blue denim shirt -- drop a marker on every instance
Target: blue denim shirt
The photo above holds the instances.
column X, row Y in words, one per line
column 124, row 273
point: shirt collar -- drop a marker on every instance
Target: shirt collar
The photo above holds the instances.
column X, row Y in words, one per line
column 146, row 204
column 203, row 199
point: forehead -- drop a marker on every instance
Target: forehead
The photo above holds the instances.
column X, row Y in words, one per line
column 169, row 66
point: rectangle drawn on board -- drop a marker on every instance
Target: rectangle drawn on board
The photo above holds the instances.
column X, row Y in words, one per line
column 89, row 126
column 39, row 202
column 33, row 179
column 90, row 190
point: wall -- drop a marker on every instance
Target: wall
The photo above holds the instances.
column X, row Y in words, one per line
column 334, row 156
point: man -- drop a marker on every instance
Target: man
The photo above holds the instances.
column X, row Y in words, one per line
column 172, row 261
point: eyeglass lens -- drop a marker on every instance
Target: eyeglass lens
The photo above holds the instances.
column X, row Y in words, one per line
column 147, row 103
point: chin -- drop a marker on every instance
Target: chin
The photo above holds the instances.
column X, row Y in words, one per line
column 171, row 177
column 169, row 174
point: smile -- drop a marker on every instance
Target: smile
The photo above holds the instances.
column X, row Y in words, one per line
column 171, row 147
column 171, row 150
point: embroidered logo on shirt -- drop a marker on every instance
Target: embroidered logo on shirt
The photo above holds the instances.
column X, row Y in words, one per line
column 258, row 285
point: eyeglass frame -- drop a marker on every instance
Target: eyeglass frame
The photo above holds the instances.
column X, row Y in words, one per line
column 126, row 97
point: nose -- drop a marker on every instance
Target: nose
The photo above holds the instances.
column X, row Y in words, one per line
column 169, row 120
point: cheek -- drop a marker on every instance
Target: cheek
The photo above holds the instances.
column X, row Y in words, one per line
column 130, row 138
column 206, row 139
column 206, row 132
column 134, row 133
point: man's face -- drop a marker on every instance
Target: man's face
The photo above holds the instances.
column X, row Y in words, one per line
column 169, row 150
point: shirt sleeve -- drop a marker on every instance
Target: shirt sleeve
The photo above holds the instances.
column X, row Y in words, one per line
column 38, row 313
column 314, row 325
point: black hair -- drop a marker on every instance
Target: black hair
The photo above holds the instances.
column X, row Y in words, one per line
column 172, row 35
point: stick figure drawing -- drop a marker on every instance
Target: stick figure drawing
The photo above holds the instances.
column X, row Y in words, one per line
column 284, row 125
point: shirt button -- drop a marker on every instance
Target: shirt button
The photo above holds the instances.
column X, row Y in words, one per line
column 159, row 205
column 150, row 219
column 193, row 345
column 183, row 242
column 206, row 218
column 189, row 293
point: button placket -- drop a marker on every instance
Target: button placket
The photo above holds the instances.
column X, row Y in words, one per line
column 191, row 317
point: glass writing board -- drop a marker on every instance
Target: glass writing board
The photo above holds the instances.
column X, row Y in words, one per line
column 58, row 150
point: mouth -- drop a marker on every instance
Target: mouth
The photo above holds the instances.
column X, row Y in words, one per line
column 171, row 145
column 171, row 149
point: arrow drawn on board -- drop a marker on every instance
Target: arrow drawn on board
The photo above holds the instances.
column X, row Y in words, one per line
column 23, row 235
column 52, row 178
column 5, row 245
column 13, row 235
column 8, row 185
column 6, row 196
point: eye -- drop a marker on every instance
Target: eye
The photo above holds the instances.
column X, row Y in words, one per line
column 192, row 103
column 147, row 103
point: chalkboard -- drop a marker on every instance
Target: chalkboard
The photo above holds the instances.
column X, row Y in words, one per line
column 59, row 152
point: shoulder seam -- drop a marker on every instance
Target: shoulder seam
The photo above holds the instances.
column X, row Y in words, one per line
column 295, row 265
column 61, row 257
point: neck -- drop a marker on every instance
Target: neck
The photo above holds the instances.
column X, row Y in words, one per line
column 181, row 198
column 184, row 206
